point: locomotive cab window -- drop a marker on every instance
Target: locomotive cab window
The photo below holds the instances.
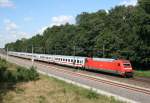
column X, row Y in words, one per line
column 126, row 65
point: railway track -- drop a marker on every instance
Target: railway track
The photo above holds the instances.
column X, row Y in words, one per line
column 142, row 79
column 145, row 81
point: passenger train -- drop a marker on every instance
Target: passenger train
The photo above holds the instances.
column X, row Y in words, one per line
column 116, row 66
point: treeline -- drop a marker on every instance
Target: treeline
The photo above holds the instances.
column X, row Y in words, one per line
column 123, row 32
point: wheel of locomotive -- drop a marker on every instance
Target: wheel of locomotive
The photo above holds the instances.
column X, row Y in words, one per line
column 129, row 75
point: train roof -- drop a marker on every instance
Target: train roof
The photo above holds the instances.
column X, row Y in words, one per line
column 64, row 56
column 103, row 59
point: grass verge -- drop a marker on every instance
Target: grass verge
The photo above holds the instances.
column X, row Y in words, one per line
column 142, row 73
column 52, row 90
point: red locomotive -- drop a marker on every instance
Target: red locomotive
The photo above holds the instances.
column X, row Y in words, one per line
column 121, row 67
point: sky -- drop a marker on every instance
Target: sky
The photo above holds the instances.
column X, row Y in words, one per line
column 26, row 18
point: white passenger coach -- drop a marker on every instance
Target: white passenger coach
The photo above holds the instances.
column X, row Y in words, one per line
column 74, row 61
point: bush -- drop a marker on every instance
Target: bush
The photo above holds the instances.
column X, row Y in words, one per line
column 3, row 71
column 24, row 74
column 20, row 75
column 3, row 64
column 34, row 75
column 91, row 95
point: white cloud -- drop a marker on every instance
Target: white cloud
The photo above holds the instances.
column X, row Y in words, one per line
column 6, row 3
column 42, row 29
column 13, row 29
column 28, row 19
column 10, row 25
column 61, row 20
column 128, row 2
column 11, row 32
column 57, row 21
column 107, row 11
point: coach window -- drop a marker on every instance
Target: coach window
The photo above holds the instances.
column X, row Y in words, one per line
column 68, row 60
column 71, row 60
column 77, row 61
column 80, row 62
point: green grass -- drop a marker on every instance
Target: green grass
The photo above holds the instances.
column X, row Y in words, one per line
column 142, row 73
column 81, row 93
column 52, row 90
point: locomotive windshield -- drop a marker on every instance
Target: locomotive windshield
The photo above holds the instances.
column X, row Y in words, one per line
column 127, row 65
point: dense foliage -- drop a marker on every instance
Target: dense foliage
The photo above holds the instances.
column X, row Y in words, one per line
column 21, row 74
column 123, row 32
